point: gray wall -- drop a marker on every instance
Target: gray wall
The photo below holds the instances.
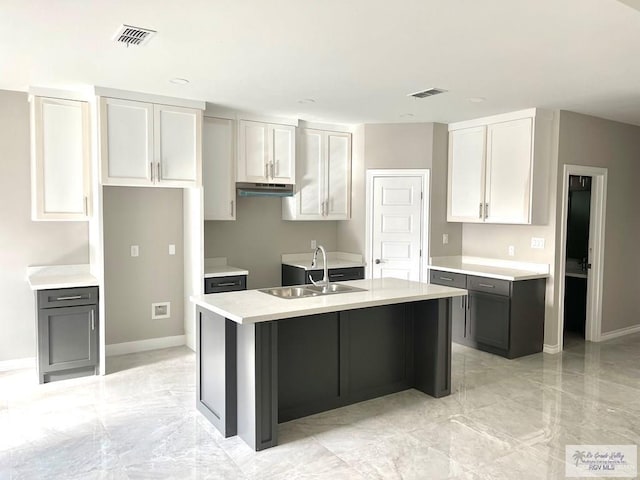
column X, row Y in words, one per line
column 398, row 146
column 152, row 219
column 259, row 236
column 23, row 242
column 591, row 141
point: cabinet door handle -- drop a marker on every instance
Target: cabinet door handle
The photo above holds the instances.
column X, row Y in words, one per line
column 158, row 176
column 448, row 279
column 486, row 210
column 93, row 320
column 86, row 205
column 151, row 170
column 232, row 208
column 486, row 285
column 73, row 297
column 480, row 210
column 227, row 284
column 337, row 275
column 266, row 170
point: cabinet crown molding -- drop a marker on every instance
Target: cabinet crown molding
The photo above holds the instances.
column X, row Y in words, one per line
column 503, row 117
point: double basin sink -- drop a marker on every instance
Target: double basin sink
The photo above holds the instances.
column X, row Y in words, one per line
column 310, row 290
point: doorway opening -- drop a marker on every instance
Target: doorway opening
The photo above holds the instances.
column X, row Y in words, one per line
column 582, row 255
column 397, row 224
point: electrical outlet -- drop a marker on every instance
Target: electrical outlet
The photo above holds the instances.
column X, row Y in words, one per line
column 172, row 249
column 512, row 250
column 445, row 238
column 314, row 245
column 135, row 250
column 160, row 310
column 537, row 242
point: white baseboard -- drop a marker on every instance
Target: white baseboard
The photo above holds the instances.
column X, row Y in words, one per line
column 191, row 341
column 17, row 364
column 144, row 345
column 619, row 333
column 553, row 349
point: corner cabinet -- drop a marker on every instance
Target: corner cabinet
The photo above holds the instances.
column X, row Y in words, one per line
column 323, row 183
column 145, row 144
column 499, row 169
column 218, row 168
column 60, row 159
column 266, row 153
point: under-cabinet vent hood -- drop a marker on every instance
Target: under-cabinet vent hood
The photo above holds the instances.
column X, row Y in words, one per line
column 264, row 190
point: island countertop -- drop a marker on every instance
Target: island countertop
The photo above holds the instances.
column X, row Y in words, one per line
column 253, row 306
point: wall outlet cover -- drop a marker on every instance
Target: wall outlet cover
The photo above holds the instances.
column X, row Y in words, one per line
column 313, row 245
column 160, row 310
column 135, row 250
column 511, row 250
column 445, row 238
column 172, row 249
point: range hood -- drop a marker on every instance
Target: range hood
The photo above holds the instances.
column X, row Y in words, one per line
column 264, row 190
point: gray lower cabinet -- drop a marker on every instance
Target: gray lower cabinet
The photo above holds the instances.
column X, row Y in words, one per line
column 299, row 276
column 67, row 330
column 497, row 316
column 216, row 368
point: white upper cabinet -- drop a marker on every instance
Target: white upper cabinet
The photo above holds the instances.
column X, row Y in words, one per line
column 266, row 153
column 144, row 144
column 499, row 169
column 218, row 168
column 323, row 185
column 61, row 154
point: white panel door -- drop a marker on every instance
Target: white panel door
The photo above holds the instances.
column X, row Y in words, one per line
column 310, row 175
column 61, row 156
column 396, row 232
column 338, row 176
column 252, row 151
column 218, row 169
column 466, row 175
column 282, row 154
column 177, row 145
column 127, row 142
column 509, row 162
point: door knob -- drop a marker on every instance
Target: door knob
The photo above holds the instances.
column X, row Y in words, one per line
column 378, row 261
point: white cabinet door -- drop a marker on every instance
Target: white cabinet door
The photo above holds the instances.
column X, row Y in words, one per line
column 311, row 172
column 338, row 176
column 127, row 142
column 465, row 202
column 218, row 169
column 61, row 154
column 177, row 146
column 252, row 151
column 509, row 172
column 282, row 157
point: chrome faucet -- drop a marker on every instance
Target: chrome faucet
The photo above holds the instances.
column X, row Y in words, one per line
column 324, row 283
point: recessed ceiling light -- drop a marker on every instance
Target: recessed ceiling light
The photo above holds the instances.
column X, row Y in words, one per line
column 179, row 81
column 477, row 99
column 306, row 100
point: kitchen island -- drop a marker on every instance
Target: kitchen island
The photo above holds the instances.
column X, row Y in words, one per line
column 263, row 360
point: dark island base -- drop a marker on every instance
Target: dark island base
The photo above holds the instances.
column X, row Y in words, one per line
column 252, row 377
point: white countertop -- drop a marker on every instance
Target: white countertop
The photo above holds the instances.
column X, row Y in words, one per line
column 60, row 276
column 217, row 267
column 334, row 259
column 490, row 268
column 253, row 306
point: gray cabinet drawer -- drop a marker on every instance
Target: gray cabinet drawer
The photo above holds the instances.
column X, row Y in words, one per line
column 489, row 285
column 457, row 280
column 225, row 284
column 67, row 297
column 344, row 274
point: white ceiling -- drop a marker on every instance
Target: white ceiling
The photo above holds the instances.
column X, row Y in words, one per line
column 356, row 58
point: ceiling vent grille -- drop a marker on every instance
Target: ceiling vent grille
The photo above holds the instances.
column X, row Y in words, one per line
column 130, row 35
column 429, row 92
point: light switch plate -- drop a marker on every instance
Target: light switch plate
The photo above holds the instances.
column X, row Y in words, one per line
column 445, row 238
column 135, row 250
column 537, row 242
column 172, row 249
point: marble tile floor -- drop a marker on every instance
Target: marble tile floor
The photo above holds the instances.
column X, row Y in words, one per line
column 506, row 419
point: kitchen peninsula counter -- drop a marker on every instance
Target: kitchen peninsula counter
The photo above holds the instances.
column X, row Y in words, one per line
column 264, row 360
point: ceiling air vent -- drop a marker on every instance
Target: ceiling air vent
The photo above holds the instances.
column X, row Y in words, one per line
column 130, row 35
column 429, row 92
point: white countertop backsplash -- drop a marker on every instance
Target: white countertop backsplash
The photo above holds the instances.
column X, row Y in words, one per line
column 47, row 277
column 490, row 267
column 252, row 306
column 334, row 259
column 217, row 267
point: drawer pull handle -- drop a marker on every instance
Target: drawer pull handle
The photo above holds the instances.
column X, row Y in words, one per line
column 486, row 285
column 93, row 320
column 448, row 279
column 228, row 284
column 337, row 275
column 74, row 297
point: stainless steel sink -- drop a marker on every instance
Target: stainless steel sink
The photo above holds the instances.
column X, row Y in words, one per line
column 334, row 288
column 310, row 291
